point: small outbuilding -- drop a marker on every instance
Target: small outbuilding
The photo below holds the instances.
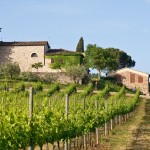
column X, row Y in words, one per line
column 132, row 79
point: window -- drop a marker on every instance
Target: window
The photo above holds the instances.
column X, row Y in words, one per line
column 34, row 55
column 140, row 79
column 119, row 79
column 61, row 61
column 52, row 60
column 132, row 78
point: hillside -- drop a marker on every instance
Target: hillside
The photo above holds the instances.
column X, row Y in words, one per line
column 60, row 115
column 132, row 135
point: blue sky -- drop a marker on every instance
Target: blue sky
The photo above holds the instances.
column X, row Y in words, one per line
column 123, row 24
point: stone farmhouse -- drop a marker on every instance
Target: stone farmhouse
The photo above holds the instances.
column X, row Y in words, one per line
column 28, row 53
column 54, row 60
column 133, row 79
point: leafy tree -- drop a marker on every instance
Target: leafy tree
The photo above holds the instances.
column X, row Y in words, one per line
column 107, row 59
column 123, row 59
column 76, row 73
column 99, row 58
column 80, row 45
column 10, row 70
column 37, row 65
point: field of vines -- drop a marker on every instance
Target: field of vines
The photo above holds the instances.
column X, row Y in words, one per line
column 58, row 115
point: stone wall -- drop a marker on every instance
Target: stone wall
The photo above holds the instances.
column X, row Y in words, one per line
column 22, row 55
column 60, row 77
column 134, row 80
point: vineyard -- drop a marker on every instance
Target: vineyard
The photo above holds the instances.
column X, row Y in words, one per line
column 60, row 117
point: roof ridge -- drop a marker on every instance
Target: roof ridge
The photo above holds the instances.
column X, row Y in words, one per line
column 132, row 69
column 24, row 43
column 21, row 41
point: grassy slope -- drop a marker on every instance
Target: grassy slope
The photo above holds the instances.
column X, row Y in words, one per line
column 114, row 87
column 134, row 134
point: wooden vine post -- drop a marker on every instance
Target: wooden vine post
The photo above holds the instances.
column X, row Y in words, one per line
column 106, row 128
column 31, row 116
column 97, row 129
column 49, row 102
column 66, row 113
column 84, row 136
column 96, row 86
column 96, row 107
column 111, row 124
column 111, row 121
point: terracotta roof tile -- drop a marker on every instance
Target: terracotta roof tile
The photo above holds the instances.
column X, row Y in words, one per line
column 31, row 43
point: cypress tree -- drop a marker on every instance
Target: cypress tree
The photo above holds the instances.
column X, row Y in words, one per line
column 80, row 45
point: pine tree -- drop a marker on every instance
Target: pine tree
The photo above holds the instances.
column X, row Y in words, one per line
column 80, row 45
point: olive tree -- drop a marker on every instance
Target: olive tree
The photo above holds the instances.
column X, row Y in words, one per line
column 10, row 70
column 76, row 72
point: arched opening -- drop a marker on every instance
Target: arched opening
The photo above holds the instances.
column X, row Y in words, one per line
column 34, row 55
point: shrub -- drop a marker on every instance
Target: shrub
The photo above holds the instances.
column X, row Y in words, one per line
column 38, row 87
column 26, row 93
column 29, row 76
column 120, row 93
column 10, row 70
column 70, row 89
column 20, row 87
column 76, row 72
column 55, row 66
column 37, row 65
column 49, row 78
column 4, row 87
column 53, row 89
column 87, row 90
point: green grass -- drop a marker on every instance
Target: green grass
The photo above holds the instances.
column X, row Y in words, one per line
column 122, row 136
column 114, row 87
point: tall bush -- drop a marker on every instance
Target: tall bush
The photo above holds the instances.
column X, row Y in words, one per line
column 76, row 73
column 10, row 70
